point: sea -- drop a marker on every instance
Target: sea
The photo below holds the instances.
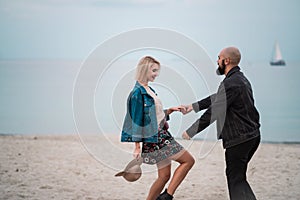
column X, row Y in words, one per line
column 41, row 96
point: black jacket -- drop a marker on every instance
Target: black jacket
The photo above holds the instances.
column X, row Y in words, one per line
column 233, row 108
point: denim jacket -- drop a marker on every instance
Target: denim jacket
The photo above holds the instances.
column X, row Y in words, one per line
column 140, row 123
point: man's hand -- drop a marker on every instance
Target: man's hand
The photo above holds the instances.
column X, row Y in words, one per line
column 185, row 136
column 187, row 109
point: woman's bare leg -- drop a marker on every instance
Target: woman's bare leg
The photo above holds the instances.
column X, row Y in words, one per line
column 186, row 161
column 164, row 173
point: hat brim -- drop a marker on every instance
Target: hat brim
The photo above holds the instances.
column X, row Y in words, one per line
column 131, row 164
column 120, row 174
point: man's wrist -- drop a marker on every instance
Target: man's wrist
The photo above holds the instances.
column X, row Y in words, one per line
column 190, row 133
column 195, row 107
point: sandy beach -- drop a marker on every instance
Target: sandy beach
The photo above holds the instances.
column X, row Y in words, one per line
column 67, row 167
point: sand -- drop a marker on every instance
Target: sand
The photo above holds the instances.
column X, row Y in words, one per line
column 67, row 167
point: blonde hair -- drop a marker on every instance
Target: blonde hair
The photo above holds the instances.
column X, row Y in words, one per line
column 143, row 66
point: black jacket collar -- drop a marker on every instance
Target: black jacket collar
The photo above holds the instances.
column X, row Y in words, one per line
column 233, row 70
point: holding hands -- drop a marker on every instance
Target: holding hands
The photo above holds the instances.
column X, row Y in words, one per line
column 184, row 109
column 172, row 109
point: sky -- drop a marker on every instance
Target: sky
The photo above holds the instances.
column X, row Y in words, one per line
column 71, row 29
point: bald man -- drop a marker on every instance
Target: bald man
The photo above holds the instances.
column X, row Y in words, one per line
column 233, row 109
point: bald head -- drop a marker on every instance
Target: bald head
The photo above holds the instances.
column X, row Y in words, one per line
column 233, row 53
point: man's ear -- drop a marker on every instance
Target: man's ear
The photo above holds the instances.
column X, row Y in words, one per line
column 227, row 61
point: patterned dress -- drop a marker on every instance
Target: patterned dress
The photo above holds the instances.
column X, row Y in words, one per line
column 153, row 153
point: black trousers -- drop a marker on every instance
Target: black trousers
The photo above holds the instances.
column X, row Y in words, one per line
column 237, row 159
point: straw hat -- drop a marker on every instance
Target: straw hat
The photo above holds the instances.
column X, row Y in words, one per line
column 133, row 170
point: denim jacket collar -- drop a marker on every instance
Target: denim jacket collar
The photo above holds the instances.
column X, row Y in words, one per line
column 141, row 88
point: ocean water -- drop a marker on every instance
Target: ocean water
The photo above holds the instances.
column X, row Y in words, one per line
column 37, row 96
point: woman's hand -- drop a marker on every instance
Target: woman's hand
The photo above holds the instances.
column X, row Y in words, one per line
column 137, row 151
column 176, row 108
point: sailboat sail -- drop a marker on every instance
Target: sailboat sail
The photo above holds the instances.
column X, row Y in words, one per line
column 277, row 58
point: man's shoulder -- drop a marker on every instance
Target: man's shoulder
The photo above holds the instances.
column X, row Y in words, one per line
column 235, row 80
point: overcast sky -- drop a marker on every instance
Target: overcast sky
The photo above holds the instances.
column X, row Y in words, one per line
column 70, row 29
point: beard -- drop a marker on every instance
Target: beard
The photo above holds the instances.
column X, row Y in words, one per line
column 221, row 69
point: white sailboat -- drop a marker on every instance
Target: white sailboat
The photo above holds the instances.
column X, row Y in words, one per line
column 277, row 57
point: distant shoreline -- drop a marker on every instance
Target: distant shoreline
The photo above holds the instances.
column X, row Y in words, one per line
column 75, row 134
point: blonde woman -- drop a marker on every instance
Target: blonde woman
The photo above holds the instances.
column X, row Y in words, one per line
column 146, row 125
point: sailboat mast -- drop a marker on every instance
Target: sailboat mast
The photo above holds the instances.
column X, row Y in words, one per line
column 278, row 55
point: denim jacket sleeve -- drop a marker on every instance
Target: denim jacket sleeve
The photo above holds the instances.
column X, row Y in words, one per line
column 133, row 123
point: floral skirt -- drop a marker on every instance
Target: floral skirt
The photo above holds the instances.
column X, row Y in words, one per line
column 153, row 153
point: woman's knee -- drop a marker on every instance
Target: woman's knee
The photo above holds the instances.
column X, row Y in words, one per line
column 185, row 158
column 192, row 161
column 188, row 159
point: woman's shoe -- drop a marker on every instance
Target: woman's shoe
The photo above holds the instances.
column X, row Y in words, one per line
column 165, row 196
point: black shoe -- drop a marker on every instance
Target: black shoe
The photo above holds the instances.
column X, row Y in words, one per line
column 165, row 196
